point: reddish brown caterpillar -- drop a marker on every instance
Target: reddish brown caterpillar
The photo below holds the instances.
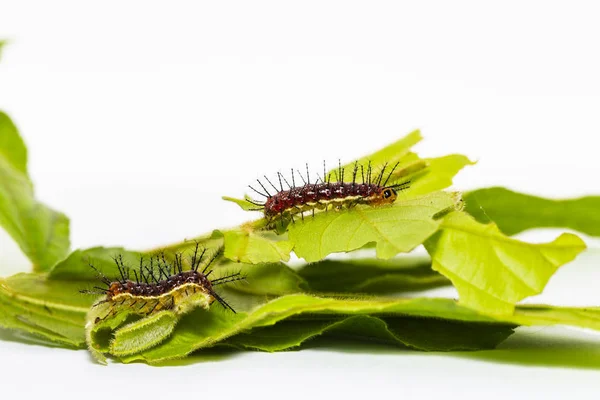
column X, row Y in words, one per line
column 324, row 195
column 160, row 285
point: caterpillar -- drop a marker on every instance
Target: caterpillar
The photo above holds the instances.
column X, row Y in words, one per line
column 161, row 285
column 139, row 312
column 323, row 194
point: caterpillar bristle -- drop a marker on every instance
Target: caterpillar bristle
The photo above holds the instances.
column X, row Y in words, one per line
column 222, row 301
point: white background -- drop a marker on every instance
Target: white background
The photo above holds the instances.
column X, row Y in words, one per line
column 140, row 115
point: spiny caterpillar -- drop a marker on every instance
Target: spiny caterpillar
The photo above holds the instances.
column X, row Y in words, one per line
column 137, row 314
column 324, row 194
column 161, row 285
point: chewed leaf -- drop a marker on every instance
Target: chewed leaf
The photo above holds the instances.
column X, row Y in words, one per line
column 41, row 233
column 515, row 212
column 255, row 247
column 491, row 271
column 394, row 229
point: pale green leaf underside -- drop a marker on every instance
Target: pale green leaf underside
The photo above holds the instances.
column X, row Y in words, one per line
column 438, row 175
column 255, row 247
column 516, row 212
column 41, row 233
column 491, row 271
column 394, row 229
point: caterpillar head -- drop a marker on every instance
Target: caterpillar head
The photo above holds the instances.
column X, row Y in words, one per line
column 389, row 194
column 385, row 195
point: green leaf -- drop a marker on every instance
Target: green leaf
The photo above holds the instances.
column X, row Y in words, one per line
column 427, row 175
column 2, row 44
column 491, row 271
column 539, row 314
column 402, row 274
column 12, row 147
column 41, row 233
column 35, row 289
column 516, row 212
column 54, row 310
column 253, row 247
column 76, row 267
column 397, row 228
column 438, row 175
column 418, row 333
column 284, row 335
column 265, row 279
column 244, row 204
column 27, row 321
column 202, row 329
column 390, row 154
column 432, row 334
